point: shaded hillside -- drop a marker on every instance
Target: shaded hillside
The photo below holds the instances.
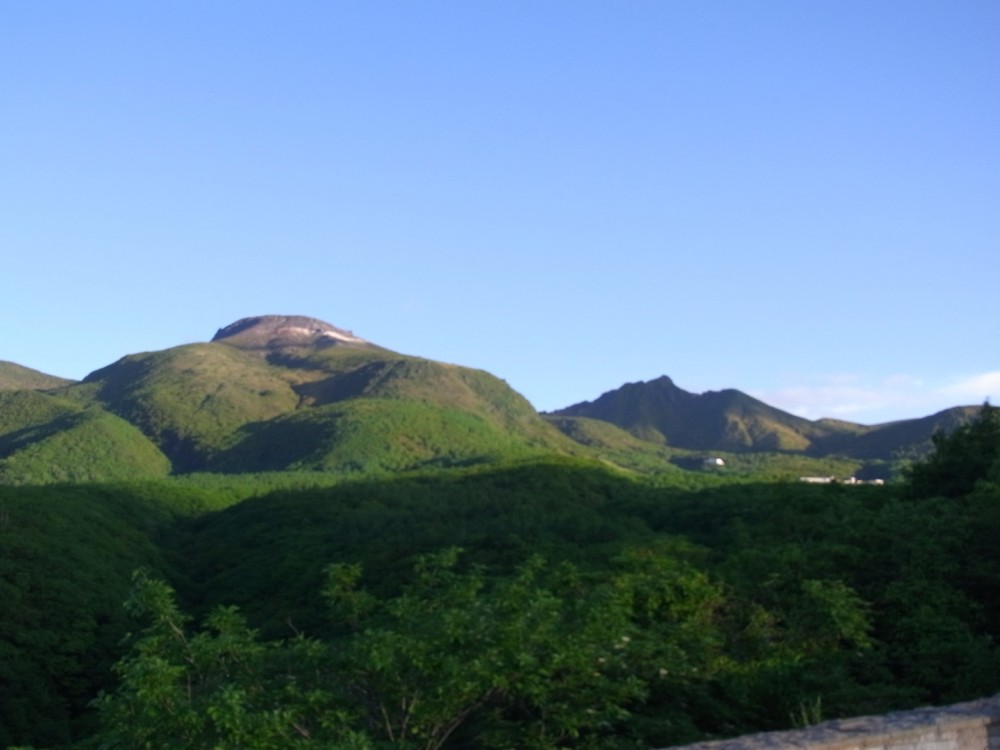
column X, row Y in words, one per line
column 905, row 439
column 727, row 420
column 612, row 442
column 15, row 377
column 66, row 557
column 731, row 421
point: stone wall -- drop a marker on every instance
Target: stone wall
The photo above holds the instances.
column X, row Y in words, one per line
column 964, row 726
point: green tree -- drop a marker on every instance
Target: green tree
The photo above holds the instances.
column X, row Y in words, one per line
column 960, row 459
column 219, row 689
column 536, row 659
column 532, row 660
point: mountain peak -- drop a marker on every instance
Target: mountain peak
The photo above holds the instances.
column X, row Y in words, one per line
column 272, row 331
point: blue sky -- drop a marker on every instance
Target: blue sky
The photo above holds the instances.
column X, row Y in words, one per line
column 797, row 199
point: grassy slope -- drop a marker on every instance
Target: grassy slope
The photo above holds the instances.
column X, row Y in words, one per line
column 372, row 436
column 219, row 408
column 48, row 439
column 24, row 410
column 189, row 399
column 626, row 450
column 15, row 377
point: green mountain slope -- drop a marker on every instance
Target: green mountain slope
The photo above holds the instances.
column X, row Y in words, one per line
column 373, row 435
column 189, row 399
column 21, row 411
column 48, row 439
column 15, row 377
column 278, row 393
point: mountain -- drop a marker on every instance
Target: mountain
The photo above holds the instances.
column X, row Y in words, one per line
column 273, row 393
column 15, row 377
column 906, row 438
column 293, row 393
column 659, row 411
column 727, row 420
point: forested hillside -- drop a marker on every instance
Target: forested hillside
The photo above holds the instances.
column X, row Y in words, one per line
column 550, row 602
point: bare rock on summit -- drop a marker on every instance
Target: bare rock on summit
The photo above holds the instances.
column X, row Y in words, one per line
column 277, row 331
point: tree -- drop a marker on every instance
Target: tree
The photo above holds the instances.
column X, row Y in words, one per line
column 959, row 458
column 219, row 689
column 531, row 660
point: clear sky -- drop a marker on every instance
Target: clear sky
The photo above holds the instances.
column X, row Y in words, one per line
column 797, row 199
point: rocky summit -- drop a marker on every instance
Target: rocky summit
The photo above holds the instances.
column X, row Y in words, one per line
column 278, row 331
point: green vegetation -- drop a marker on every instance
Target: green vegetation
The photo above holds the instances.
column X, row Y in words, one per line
column 372, row 436
column 46, row 439
column 188, row 400
column 590, row 606
column 660, row 413
column 261, row 400
column 353, row 548
column 65, row 559
column 961, row 459
column 215, row 407
column 14, row 377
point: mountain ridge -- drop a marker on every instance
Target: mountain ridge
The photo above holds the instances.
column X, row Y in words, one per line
column 289, row 392
column 730, row 420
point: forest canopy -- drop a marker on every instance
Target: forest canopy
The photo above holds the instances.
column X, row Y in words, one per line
column 542, row 604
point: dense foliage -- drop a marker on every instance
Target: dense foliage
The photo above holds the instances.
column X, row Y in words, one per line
column 961, row 458
column 588, row 607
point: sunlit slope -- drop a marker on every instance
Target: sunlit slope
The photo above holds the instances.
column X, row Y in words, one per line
column 222, row 407
column 15, row 377
column 189, row 400
column 48, row 439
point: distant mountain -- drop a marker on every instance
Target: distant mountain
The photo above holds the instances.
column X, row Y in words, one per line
column 727, row 420
column 731, row 421
column 15, row 377
column 906, row 439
